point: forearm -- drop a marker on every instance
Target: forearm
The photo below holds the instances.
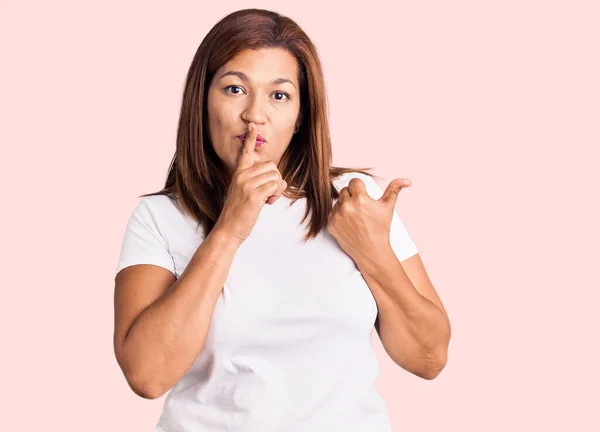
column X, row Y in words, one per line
column 166, row 338
column 413, row 330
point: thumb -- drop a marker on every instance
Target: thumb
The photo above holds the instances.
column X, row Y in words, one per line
column 390, row 196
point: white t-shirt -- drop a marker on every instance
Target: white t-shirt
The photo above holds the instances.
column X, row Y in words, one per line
column 289, row 344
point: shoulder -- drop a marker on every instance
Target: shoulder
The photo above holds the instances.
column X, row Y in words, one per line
column 150, row 207
column 158, row 201
column 168, row 213
column 371, row 186
column 343, row 179
column 160, row 211
column 158, row 204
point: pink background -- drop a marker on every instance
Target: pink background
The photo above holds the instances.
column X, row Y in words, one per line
column 492, row 109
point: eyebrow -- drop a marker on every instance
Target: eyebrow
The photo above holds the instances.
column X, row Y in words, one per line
column 244, row 78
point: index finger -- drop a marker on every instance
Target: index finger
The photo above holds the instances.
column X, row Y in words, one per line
column 246, row 156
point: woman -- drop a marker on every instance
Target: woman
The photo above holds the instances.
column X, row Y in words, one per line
column 251, row 320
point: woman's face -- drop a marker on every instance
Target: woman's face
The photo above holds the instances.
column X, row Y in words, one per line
column 259, row 86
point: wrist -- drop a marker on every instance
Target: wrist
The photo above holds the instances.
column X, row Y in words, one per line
column 373, row 262
column 224, row 237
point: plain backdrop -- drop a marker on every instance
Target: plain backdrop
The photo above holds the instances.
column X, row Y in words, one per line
column 491, row 108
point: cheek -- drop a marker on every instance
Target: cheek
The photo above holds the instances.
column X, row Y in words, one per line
column 217, row 124
column 286, row 125
column 216, row 110
column 222, row 119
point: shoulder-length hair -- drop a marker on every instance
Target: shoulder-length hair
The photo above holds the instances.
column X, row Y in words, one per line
column 198, row 179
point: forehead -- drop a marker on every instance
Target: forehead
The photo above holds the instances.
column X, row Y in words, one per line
column 263, row 64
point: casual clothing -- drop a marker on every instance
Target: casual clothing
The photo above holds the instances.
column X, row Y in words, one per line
column 289, row 344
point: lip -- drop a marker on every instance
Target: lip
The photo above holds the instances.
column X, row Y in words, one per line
column 259, row 138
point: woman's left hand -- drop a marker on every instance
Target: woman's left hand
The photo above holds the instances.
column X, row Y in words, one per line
column 361, row 224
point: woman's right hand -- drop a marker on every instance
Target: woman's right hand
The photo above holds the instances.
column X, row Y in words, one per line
column 252, row 185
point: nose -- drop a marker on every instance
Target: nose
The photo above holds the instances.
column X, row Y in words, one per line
column 255, row 110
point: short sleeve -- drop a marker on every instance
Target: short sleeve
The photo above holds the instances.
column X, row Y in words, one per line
column 402, row 244
column 143, row 242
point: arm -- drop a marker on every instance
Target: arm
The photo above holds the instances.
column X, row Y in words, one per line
column 412, row 323
column 159, row 331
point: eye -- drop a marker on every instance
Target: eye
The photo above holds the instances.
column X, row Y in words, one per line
column 231, row 86
column 282, row 93
column 238, row 87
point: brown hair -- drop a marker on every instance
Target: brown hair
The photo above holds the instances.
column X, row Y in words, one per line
column 198, row 178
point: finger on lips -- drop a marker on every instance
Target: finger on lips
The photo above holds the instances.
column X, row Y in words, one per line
column 247, row 156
